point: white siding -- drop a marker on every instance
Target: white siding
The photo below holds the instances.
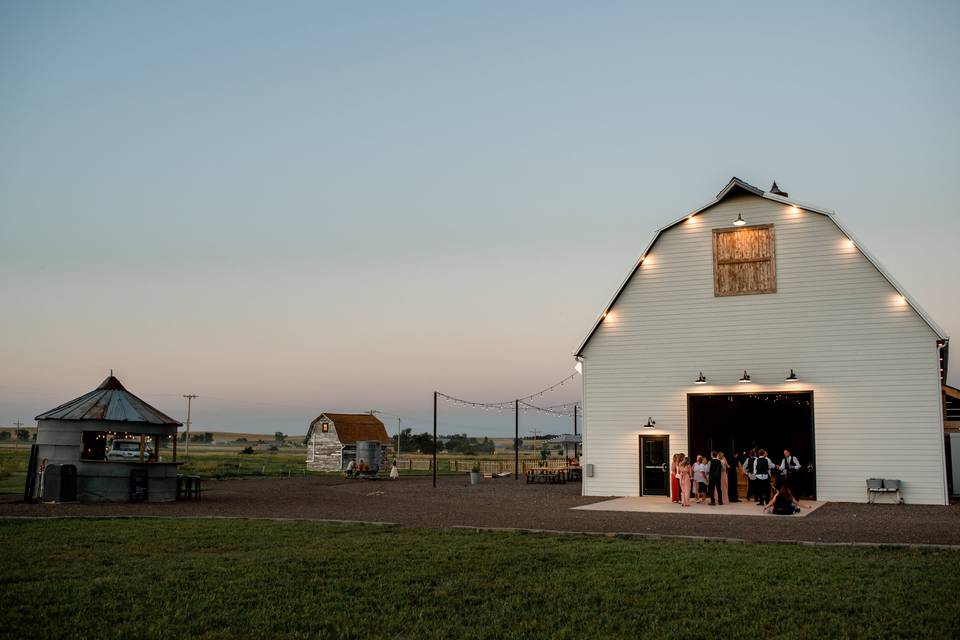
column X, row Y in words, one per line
column 323, row 449
column 870, row 360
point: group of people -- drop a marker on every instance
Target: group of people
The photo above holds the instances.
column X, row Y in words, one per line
column 356, row 468
column 714, row 478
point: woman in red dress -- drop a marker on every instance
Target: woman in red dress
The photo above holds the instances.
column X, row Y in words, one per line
column 675, row 477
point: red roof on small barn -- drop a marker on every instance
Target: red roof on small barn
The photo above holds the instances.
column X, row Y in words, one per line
column 351, row 427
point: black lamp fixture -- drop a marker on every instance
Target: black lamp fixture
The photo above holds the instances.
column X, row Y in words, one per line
column 739, row 222
column 651, row 423
column 792, row 377
column 746, row 377
column 700, row 379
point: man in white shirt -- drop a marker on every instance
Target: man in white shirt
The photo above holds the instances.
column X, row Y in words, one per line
column 790, row 471
column 749, row 465
column 762, row 467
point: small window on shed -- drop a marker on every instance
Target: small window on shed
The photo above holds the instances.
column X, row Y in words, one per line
column 744, row 261
column 325, row 427
column 94, row 445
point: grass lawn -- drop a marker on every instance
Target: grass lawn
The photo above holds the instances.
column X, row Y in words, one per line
column 201, row 462
column 159, row 578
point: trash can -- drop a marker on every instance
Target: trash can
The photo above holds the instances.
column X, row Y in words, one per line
column 139, row 485
column 60, row 483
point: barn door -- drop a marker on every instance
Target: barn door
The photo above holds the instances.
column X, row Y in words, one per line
column 654, row 465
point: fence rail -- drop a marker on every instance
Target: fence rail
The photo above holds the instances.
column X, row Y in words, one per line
column 486, row 466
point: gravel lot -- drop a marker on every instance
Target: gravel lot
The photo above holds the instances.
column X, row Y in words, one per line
column 507, row 503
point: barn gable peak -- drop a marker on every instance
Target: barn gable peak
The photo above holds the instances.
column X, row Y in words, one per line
column 736, row 186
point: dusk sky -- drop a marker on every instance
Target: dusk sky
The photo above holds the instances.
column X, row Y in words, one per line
column 292, row 207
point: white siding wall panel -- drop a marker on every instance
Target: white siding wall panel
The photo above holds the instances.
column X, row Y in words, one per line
column 870, row 360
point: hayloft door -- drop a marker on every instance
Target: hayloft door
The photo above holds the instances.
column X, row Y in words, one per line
column 654, row 465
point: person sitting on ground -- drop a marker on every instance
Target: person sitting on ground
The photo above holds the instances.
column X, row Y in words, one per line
column 362, row 467
column 783, row 502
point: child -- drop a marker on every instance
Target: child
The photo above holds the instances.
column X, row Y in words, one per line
column 685, row 483
column 700, row 476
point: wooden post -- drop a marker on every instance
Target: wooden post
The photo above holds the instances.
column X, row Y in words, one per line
column 175, row 446
column 434, row 465
column 143, row 444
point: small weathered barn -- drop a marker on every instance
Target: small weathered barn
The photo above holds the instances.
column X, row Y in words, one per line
column 114, row 440
column 332, row 439
column 759, row 321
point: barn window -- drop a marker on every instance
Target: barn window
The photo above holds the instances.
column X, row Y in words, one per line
column 325, row 427
column 744, row 261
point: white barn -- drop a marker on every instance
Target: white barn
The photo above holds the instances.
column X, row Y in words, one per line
column 836, row 360
column 332, row 440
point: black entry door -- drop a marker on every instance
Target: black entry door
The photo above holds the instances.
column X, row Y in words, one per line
column 654, row 465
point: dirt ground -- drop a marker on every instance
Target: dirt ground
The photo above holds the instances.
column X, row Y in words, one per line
column 505, row 502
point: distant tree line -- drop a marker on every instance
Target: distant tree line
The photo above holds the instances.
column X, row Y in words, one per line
column 458, row 443
column 205, row 436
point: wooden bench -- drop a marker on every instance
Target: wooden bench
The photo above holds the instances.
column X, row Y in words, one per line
column 878, row 486
column 547, row 475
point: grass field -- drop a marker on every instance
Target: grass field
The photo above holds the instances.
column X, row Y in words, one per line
column 266, row 579
column 206, row 462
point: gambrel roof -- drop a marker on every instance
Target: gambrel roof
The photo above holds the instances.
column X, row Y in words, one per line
column 351, row 427
column 736, row 186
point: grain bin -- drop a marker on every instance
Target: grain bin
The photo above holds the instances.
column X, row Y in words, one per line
column 370, row 452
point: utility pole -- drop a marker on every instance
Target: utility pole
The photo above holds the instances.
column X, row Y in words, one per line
column 189, row 397
column 398, row 437
column 16, row 434
column 434, row 439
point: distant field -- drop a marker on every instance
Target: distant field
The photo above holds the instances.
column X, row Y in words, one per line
column 268, row 579
column 221, row 461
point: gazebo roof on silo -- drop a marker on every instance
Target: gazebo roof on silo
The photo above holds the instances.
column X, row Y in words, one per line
column 110, row 401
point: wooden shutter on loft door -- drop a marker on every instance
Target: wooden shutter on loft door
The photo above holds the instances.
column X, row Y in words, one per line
column 744, row 261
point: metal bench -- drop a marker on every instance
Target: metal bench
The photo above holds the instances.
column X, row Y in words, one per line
column 188, row 487
column 878, row 486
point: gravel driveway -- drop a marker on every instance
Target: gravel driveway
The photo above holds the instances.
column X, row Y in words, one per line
column 412, row 501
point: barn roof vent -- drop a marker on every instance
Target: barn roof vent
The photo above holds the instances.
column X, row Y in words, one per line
column 777, row 191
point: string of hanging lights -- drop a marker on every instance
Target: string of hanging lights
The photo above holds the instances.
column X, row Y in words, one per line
column 511, row 404
column 570, row 408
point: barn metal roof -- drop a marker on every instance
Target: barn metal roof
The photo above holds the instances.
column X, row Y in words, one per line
column 109, row 401
column 735, row 186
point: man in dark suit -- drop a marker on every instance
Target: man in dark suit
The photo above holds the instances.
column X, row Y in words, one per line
column 713, row 476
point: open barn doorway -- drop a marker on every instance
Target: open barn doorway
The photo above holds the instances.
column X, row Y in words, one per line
column 737, row 422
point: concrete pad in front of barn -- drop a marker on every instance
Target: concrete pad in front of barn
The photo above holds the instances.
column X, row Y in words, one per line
column 662, row 504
